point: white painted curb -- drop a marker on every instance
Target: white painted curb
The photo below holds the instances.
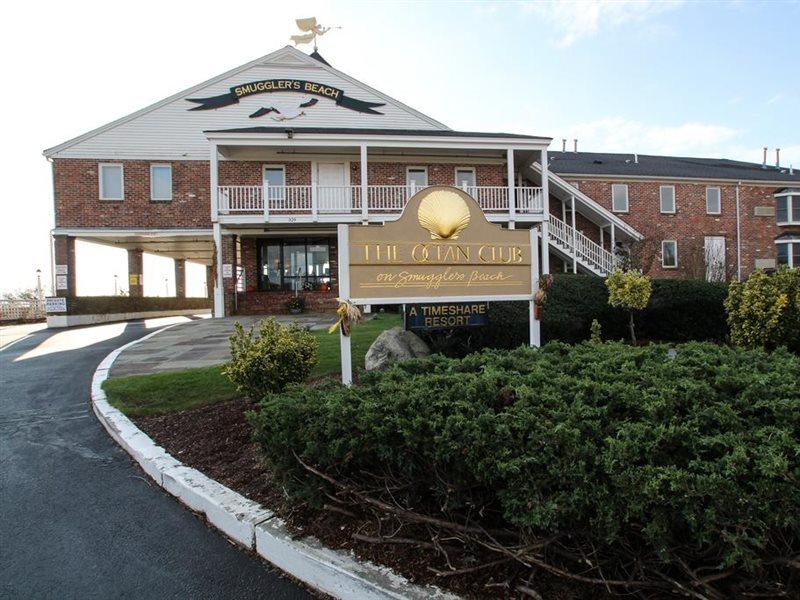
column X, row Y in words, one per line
column 246, row 522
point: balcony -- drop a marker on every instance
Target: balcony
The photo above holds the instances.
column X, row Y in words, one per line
column 305, row 203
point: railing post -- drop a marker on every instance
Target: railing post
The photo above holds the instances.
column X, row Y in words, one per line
column 364, row 198
column 512, row 201
column 265, row 193
column 546, row 215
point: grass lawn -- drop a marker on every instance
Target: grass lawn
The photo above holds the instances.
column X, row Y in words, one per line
column 176, row 391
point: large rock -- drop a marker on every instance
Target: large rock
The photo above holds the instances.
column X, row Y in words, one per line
column 393, row 345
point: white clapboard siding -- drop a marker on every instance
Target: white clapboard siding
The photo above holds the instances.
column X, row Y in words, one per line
column 171, row 131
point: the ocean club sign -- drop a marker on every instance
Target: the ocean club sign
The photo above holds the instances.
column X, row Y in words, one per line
column 268, row 86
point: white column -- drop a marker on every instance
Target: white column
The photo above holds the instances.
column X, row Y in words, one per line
column 535, row 326
column 574, row 240
column 512, row 201
column 219, row 290
column 344, row 294
column 546, row 215
column 364, row 198
column 214, row 183
column 613, row 245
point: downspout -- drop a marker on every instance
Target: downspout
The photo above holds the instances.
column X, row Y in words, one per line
column 738, row 237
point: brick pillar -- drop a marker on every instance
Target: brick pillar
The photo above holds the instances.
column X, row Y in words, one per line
column 210, row 281
column 64, row 255
column 229, row 273
column 180, row 278
column 135, row 271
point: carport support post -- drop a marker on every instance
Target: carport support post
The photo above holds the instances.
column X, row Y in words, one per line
column 534, row 323
column 135, row 273
column 344, row 294
column 219, row 290
column 180, row 277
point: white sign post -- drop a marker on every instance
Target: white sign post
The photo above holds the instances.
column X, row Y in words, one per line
column 534, row 323
column 344, row 294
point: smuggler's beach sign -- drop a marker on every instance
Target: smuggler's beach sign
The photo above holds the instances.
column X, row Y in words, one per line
column 300, row 86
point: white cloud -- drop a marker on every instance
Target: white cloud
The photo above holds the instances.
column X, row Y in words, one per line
column 573, row 20
column 616, row 134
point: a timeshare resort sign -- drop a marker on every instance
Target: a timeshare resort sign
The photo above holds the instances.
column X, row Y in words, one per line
column 441, row 249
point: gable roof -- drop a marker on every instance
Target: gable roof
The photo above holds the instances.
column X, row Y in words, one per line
column 622, row 165
column 287, row 54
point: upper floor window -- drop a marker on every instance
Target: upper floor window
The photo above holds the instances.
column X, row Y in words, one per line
column 161, row 182
column 112, row 185
column 713, row 201
column 667, row 194
column 465, row 176
column 669, row 254
column 417, row 177
column 787, row 210
column 788, row 253
column 275, row 181
column 619, row 197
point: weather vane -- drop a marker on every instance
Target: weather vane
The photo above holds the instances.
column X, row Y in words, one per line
column 312, row 31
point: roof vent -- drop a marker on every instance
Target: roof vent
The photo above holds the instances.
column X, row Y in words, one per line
column 777, row 158
column 636, row 158
column 563, row 144
column 575, row 144
column 764, row 160
column 597, row 161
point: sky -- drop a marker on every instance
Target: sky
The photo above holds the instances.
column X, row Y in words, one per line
column 711, row 79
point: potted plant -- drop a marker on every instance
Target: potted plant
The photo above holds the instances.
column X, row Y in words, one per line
column 296, row 305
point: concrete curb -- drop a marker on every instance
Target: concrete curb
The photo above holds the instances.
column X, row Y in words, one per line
column 246, row 522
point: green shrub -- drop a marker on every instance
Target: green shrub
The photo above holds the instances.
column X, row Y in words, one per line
column 268, row 362
column 764, row 311
column 640, row 456
column 630, row 290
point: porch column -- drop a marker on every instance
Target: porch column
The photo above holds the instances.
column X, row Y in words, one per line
column 613, row 244
column 364, row 198
column 545, row 216
column 574, row 239
column 180, row 277
column 214, row 183
column 219, row 295
column 135, row 273
column 64, row 270
column 512, row 201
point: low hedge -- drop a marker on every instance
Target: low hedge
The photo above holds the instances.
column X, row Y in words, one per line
column 680, row 310
column 98, row 305
column 630, row 455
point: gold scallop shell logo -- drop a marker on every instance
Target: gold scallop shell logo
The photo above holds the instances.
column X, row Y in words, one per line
column 444, row 214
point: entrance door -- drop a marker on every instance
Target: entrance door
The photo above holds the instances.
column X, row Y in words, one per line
column 333, row 193
column 715, row 258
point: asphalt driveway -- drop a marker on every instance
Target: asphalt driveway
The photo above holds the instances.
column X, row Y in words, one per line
column 77, row 518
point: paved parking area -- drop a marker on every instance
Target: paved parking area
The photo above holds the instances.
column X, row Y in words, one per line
column 200, row 343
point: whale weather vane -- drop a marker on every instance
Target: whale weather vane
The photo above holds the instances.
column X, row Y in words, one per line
column 312, row 30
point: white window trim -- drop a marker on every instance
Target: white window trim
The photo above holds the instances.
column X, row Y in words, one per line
column 457, row 169
column 100, row 181
column 627, row 198
column 719, row 189
column 790, row 255
column 663, row 254
column 171, row 194
column 410, row 168
column 674, row 201
column 793, row 219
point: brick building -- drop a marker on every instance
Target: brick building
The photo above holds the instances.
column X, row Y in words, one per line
column 250, row 173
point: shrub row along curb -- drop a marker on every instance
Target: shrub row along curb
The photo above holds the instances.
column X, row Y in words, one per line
column 246, row 522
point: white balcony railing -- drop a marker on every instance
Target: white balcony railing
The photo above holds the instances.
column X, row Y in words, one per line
column 344, row 200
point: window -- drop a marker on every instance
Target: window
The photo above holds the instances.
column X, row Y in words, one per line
column 669, row 254
column 619, row 197
column 294, row 264
column 417, row 177
column 713, row 201
column 465, row 177
column 788, row 210
column 667, row 193
column 275, row 181
column 112, row 186
column 788, row 253
column 161, row 182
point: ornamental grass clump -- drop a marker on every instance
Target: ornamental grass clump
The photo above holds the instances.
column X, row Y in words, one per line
column 601, row 463
column 271, row 359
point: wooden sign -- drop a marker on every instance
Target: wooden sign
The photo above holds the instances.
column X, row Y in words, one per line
column 441, row 247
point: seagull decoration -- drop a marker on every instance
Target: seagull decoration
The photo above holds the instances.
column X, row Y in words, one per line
column 285, row 110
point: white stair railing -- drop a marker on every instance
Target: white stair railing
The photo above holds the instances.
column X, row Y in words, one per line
column 575, row 243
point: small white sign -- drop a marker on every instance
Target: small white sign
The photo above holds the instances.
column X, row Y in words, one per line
column 61, row 282
column 54, row 304
column 227, row 270
column 62, row 270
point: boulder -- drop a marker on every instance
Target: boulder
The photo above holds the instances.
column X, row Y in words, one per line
column 393, row 345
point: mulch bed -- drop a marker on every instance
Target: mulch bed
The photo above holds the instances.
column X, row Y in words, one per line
column 216, row 440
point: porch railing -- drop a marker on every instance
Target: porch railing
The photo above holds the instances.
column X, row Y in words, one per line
column 346, row 199
column 587, row 252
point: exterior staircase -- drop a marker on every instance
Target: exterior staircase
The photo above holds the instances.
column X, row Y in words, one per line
column 568, row 242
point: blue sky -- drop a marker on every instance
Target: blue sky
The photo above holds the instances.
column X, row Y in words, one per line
column 712, row 79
